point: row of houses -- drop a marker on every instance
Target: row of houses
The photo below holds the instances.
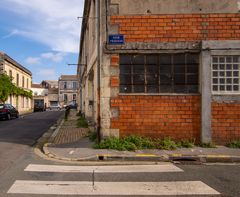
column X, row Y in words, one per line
column 51, row 93
column 57, row 93
column 161, row 68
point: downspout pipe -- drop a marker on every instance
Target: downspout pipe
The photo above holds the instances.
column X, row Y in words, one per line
column 98, row 71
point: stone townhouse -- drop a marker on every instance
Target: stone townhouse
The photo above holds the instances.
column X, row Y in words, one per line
column 21, row 77
column 51, row 88
column 68, row 87
column 166, row 68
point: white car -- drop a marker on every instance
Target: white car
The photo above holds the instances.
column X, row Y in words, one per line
column 54, row 107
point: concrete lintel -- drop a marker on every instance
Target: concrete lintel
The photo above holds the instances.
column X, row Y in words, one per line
column 221, row 44
column 161, row 47
column 226, row 98
column 206, row 126
column 134, row 7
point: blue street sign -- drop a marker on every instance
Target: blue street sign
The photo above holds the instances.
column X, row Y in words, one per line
column 116, row 39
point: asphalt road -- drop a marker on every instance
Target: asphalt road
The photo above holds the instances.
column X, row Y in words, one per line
column 18, row 136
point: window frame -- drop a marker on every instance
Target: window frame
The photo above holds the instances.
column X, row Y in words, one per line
column 158, row 86
column 225, row 92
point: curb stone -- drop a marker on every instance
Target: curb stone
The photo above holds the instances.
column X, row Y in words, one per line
column 51, row 155
column 175, row 158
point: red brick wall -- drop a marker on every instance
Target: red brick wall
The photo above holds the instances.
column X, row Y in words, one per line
column 180, row 27
column 225, row 122
column 158, row 116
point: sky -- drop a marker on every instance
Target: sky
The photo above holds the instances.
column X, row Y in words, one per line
column 42, row 35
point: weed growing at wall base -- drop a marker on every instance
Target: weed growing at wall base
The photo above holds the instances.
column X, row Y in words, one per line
column 234, row 144
column 133, row 142
column 82, row 123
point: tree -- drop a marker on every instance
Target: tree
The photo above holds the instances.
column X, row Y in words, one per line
column 8, row 88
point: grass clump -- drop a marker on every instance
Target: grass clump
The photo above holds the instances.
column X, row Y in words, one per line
column 234, row 144
column 208, row 145
column 166, row 144
column 92, row 135
column 186, row 144
column 130, row 143
column 133, row 142
column 81, row 122
column 116, row 144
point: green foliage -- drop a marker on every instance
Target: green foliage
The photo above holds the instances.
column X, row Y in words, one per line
column 234, row 144
column 8, row 88
column 166, row 144
column 133, row 143
column 186, row 144
column 92, row 135
column 208, row 145
column 116, row 144
column 82, row 123
column 140, row 142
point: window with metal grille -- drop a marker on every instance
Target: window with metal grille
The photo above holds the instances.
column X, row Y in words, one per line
column 162, row 73
column 225, row 74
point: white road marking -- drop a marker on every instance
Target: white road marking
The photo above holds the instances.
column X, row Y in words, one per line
column 112, row 188
column 104, row 169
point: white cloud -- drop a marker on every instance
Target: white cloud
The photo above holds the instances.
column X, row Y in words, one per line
column 53, row 23
column 33, row 60
column 57, row 57
column 47, row 73
column 12, row 33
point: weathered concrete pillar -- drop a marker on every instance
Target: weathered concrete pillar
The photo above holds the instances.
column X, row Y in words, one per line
column 206, row 112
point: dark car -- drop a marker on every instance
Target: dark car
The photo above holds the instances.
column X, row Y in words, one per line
column 39, row 105
column 7, row 111
column 72, row 106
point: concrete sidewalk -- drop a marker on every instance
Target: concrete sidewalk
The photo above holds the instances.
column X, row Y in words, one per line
column 69, row 144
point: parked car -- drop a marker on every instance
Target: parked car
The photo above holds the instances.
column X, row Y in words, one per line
column 71, row 106
column 39, row 105
column 7, row 111
column 54, row 107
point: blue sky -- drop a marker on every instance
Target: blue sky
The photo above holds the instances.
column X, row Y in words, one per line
column 42, row 35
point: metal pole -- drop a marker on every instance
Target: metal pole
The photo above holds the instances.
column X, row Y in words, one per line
column 98, row 70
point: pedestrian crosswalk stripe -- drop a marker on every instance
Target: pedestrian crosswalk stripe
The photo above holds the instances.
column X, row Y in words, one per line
column 112, row 188
column 104, row 169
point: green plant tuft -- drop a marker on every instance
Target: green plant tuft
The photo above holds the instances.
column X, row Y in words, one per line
column 234, row 144
column 166, row 144
column 208, row 145
column 82, row 123
column 186, row 144
column 92, row 135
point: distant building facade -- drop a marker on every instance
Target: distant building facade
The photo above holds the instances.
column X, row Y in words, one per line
column 166, row 69
column 39, row 93
column 68, row 87
column 52, row 92
column 21, row 77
